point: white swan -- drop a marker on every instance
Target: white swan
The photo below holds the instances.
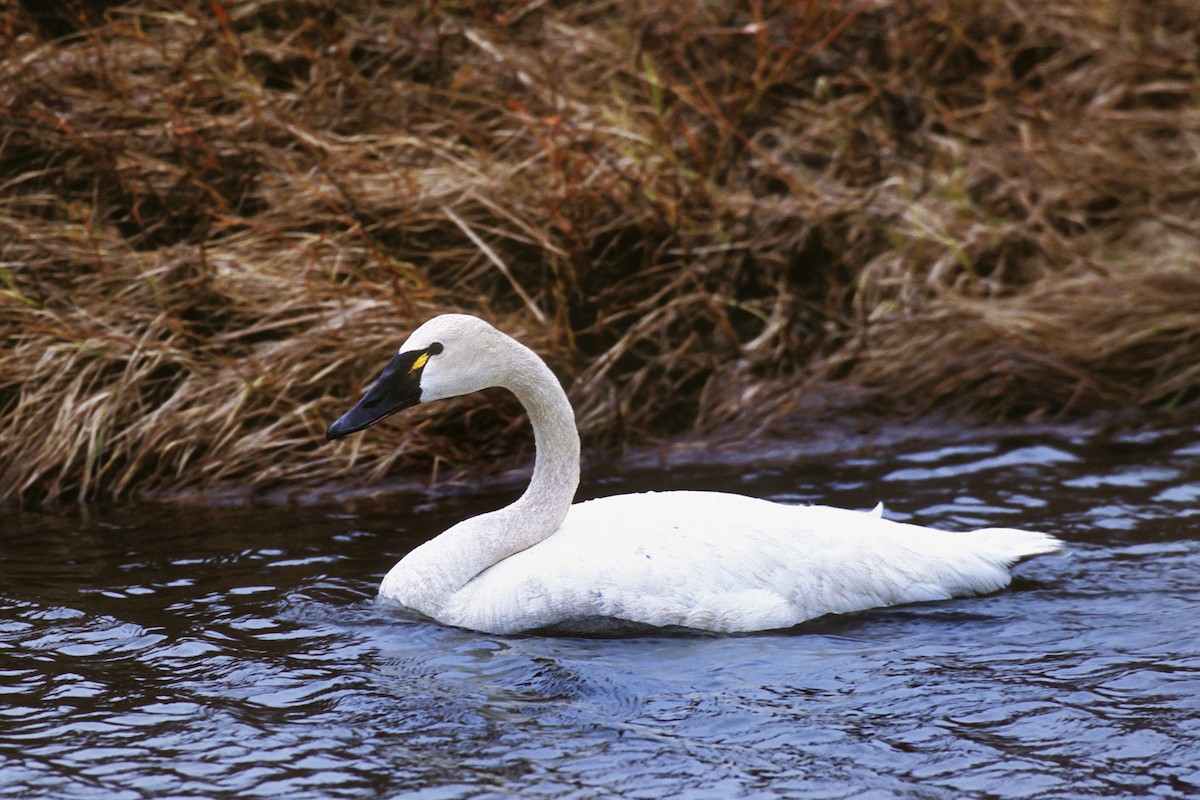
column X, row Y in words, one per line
column 704, row 560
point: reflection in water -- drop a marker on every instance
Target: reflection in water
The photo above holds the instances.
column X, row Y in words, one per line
column 238, row 652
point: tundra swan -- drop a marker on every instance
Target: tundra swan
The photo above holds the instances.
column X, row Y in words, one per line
column 703, row 560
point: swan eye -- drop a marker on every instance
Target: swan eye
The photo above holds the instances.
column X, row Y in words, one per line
column 432, row 350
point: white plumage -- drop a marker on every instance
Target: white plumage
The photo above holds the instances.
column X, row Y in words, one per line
column 705, row 560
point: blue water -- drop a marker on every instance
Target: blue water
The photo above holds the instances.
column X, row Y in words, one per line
column 152, row 652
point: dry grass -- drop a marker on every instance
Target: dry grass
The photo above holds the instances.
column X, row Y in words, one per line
column 217, row 219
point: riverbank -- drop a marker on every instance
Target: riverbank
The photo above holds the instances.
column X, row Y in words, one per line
column 218, row 220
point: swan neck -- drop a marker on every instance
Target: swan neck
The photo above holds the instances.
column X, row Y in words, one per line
column 555, row 478
column 428, row 577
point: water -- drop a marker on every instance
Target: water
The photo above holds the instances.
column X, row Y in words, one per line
column 237, row 653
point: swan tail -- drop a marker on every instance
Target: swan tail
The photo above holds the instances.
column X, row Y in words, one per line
column 1012, row 545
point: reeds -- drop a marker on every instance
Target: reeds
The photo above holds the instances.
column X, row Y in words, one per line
column 218, row 219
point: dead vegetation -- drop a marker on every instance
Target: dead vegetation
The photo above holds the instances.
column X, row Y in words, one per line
column 217, row 219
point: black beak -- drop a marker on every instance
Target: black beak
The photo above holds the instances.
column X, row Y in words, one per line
column 398, row 388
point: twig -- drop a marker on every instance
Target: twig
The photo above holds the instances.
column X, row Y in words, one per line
column 500, row 265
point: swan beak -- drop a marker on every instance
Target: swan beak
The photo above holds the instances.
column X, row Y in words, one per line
column 398, row 388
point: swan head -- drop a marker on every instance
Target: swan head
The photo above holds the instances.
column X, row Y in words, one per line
column 449, row 355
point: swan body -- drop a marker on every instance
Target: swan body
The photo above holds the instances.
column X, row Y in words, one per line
column 710, row 561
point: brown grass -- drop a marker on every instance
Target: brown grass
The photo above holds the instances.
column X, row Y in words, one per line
column 217, row 219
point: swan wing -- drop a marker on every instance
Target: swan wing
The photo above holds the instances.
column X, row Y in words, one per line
column 724, row 562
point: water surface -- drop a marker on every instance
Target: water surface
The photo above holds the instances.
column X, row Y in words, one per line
column 237, row 652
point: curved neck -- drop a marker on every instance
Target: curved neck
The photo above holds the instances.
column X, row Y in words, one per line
column 551, row 490
column 429, row 576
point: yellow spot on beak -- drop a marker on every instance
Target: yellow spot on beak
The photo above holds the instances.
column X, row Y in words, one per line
column 420, row 362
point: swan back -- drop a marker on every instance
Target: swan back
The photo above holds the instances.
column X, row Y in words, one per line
column 728, row 563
